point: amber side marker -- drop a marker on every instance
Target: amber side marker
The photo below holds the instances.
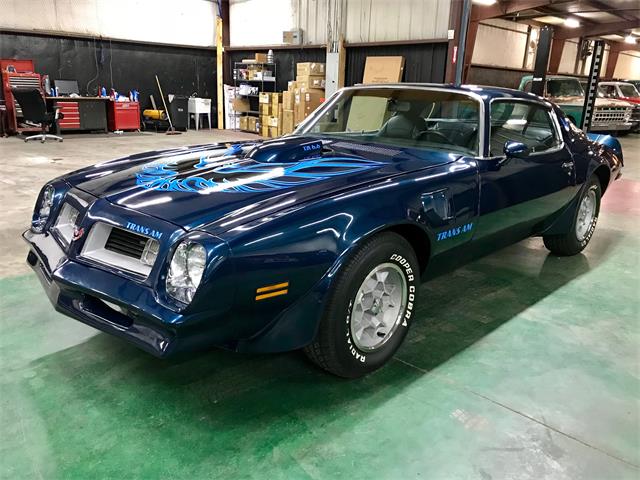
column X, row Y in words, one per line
column 272, row 291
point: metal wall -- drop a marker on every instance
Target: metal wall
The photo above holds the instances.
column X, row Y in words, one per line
column 384, row 20
column 124, row 65
column 190, row 23
column 261, row 22
column 423, row 62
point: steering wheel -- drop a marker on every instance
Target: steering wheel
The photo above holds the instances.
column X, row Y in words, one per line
column 438, row 137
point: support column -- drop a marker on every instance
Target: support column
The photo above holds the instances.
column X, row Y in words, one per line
column 556, row 55
column 472, row 33
column 612, row 61
column 592, row 86
column 219, row 72
column 542, row 61
column 336, row 53
column 462, row 43
column 455, row 15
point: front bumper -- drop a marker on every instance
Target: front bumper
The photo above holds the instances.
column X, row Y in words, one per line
column 611, row 127
column 113, row 304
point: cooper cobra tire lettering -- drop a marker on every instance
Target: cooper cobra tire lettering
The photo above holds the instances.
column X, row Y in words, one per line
column 358, row 356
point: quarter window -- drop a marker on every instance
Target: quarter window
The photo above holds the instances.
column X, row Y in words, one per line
column 527, row 123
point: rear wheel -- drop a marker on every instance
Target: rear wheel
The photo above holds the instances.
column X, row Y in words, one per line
column 369, row 308
column 584, row 223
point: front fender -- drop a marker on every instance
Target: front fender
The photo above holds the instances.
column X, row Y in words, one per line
column 307, row 247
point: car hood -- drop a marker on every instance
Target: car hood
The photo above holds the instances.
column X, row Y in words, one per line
column 218, row 187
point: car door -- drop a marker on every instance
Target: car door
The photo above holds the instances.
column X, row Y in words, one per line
column 518, row 193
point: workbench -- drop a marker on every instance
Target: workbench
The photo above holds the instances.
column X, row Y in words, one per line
column 81, row 113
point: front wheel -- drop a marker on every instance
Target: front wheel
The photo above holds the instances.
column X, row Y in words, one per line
column 584, row 223
column 369, row 308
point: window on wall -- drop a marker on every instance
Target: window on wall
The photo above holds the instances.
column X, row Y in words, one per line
column 527, row 123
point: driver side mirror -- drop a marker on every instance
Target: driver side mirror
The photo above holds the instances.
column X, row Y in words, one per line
column 516, row 150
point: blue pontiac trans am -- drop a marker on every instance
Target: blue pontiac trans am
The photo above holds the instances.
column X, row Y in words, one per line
column 318, row 240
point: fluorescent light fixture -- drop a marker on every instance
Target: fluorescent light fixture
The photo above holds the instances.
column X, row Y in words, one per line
column 485, row 3
column 571, row 23
column 630, row 39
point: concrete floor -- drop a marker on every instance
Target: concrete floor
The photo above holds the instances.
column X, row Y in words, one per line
column 533, row 374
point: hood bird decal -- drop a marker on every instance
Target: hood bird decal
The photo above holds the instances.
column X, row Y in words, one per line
column 233, row 174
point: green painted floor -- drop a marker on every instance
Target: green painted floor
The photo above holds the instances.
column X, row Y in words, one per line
column 533, row 372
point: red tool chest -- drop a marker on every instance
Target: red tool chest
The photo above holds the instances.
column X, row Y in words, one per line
column 124, row 116
column 71, row 114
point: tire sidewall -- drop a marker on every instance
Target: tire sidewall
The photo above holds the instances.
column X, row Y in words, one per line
column 593, row 185
column 349, row 355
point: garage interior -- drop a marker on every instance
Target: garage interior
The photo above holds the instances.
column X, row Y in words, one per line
column 520, row 365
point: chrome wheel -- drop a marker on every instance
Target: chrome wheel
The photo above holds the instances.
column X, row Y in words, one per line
column 379, row 306
column 586, row 215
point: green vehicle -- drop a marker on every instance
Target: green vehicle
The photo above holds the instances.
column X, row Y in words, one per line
column 567, row 92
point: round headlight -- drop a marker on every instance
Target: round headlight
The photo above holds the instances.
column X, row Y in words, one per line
column 185, row 271
column 43, row 209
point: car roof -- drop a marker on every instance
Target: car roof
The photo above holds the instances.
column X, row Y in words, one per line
column 488, row 93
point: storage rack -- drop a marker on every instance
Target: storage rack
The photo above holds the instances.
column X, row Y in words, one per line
column 263, row 85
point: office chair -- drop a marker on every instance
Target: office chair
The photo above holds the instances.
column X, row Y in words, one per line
column 34, row 109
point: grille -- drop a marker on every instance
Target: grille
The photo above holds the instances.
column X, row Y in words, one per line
column 611, row 115
column 126, row 243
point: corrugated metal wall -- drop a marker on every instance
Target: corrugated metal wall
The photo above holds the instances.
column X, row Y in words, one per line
column 384, row 20
column 363, row 20
column 189, row 23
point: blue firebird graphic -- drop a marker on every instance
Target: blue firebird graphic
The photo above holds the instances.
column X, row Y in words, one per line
column 228, row 173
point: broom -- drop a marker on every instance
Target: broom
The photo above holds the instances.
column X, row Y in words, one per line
column 172, row 130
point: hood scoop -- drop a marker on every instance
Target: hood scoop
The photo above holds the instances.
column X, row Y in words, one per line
column 286, row 150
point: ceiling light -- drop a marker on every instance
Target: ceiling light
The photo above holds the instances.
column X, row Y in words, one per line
column 571, row 23
column 630, row 39
column 485, row 3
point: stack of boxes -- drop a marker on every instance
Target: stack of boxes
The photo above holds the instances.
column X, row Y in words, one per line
column 270, row 114
column 307, row 90
column 280, row 113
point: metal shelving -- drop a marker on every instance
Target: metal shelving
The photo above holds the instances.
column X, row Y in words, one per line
column 264, row 85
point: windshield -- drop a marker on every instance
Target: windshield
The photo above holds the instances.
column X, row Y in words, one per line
column 404, row 117
column 628, row 90
column 564, row 87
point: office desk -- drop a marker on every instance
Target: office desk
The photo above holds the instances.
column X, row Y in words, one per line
column 82, row 113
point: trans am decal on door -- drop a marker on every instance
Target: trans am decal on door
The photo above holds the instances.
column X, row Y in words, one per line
column 231, row 174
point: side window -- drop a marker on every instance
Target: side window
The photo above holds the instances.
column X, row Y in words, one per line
column 523, row 122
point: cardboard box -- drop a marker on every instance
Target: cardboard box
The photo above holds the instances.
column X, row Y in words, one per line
column 310, row 81
column 291, row 85
column 264, row 120
column 383, row 70
column 241, row 104
column 273, row 132
column 287, row 100
column 261, row 57
column 310, row 68
column 244, row 125
column 252, row 124
column 274, row 121
column 275, row 101
column 265, row 108
column 287, row 121
column 306, row 101
column 264, row 97
column 264, row 132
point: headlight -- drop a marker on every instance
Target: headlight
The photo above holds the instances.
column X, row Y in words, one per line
column 43, row 209
column 185, row 271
